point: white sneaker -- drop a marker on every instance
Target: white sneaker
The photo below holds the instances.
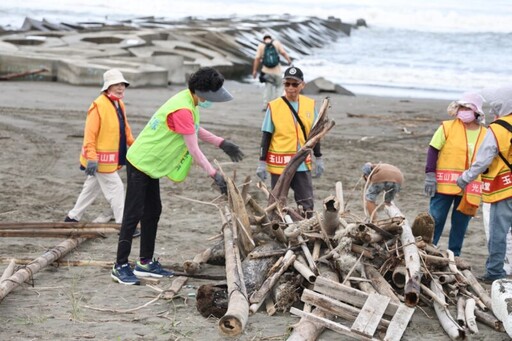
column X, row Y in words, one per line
column 103, row 218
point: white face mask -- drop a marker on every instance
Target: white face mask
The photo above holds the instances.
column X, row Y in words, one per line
column 466, row 116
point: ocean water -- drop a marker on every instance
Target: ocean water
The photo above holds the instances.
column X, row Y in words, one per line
column 412, row 48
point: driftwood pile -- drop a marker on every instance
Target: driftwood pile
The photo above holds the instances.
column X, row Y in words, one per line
column 356, row 277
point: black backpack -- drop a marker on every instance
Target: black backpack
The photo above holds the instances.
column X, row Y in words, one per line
column 270, row 55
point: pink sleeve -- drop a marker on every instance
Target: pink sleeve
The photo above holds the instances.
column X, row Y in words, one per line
column 197, row 154
column 181, row 121
column 206, row 136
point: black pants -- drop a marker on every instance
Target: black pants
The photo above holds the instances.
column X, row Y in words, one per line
column 142, row 204
column 302, row 186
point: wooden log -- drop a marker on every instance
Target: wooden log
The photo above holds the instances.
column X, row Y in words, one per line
column 9, row 270
column 40, row 262
column 217, row 256
column 411, row 257
column 270, row 306
column 477, row 288
column 194, row 265
column 175, row 287
column 316, row 249
column 339, row 196
column 85, row 232
column 454, row 331
column 212, row 300
column 234, row 321
column 285, row 292
column 469, row 315
column 380, row 284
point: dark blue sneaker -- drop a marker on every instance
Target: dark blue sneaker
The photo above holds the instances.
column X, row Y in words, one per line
column 123, row 274
column 151, row 269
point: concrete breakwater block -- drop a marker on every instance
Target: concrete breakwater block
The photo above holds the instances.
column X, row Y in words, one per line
column 91, row 72
column 321, row 85
column 157, row 52
column 501, row 295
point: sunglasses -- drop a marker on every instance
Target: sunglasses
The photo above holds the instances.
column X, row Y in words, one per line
column 288, row 84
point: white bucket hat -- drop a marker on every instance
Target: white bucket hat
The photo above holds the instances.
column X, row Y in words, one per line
column 471, row 100
column 113, row 76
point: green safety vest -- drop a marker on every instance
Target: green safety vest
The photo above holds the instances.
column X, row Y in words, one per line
column 159, row 151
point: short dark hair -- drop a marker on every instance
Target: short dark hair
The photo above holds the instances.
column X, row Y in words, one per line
column 205, row 79
column 267, row 36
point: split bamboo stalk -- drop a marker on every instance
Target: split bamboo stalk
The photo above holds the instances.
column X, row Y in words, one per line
column 40, row 262
column 240, row 216
column 477, row 288
column 234, row 321
column 259, row 295
column 339, row 196
column 411, row 257
column 9, row 270
column 174, row 288
column 454, row 331
column 316, row 249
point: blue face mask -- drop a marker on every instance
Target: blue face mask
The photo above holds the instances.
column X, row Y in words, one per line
column 205, row 105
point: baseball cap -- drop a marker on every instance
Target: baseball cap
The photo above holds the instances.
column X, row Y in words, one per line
column 294, row 73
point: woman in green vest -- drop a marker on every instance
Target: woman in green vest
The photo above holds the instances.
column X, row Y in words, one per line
column 166, row 147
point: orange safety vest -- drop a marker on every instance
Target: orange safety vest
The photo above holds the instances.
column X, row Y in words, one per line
column 288, row 137
column 454, row 159
column 101, row 135
column 497, row 181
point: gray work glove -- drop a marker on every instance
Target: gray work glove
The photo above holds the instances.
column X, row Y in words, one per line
column 320, row 167
column 261, row 171
column 232, row 150
column 430, row 184
column 92, row 167
column 219, row 181
column 462, row 183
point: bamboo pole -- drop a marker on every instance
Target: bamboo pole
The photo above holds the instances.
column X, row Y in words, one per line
column 380, row 284
column 331, row 220
column 9, row 270
column 454, row 331
column 411, row 257
column 84, row 232
column 305, row 271
column 477, row 288
column 469, row 314
column 55, row 225
column 40, row 262
column 234, row 321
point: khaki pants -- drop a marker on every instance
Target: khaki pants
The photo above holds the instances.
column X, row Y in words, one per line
column 111, row 185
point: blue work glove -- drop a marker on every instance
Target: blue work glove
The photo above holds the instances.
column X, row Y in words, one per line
column 232, row 150
column 367, row 169
column 430, row 184
column 219, row 181
column 462, row 183
column 92, row 167
column 320, row 167
column 261, row 171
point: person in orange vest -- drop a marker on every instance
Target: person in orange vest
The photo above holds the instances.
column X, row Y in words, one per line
column 285, row 128
column 107, row 136
column 451, row 151
column 494, row 163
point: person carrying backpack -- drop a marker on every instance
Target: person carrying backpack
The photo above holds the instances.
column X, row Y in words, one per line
column 267, row 55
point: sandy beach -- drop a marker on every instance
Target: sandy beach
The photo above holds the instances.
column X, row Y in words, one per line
column 41, row 129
